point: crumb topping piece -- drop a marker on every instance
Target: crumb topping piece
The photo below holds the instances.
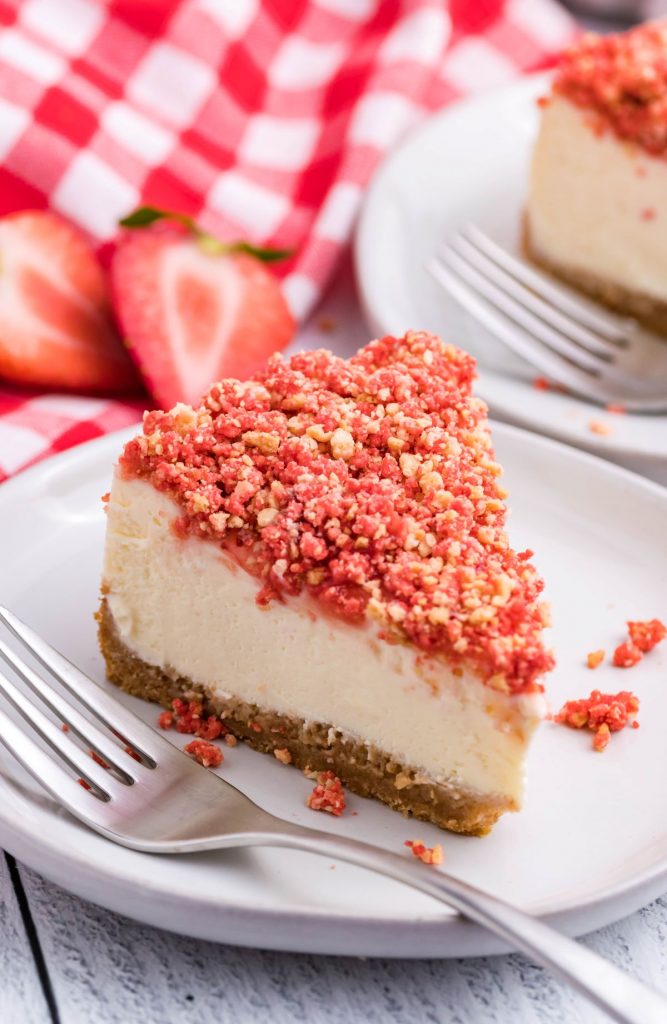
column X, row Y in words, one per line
column 428, row 854
column 165, row 720
column 369, row 483
column 622, row 80
column 643, row 637
column 627, row 655
column 328, row 794
column 646, row 635
column 206, row 753
column 187, row 716
column 595, row 658
column 602, row 713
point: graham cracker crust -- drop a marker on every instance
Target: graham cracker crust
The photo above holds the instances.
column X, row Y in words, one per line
column 363, row 769
column 650, row 312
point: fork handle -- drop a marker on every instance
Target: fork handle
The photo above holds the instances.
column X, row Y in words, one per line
column 625, row 999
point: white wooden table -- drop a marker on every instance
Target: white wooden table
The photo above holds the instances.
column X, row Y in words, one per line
column 65, row 960
column 68, row 962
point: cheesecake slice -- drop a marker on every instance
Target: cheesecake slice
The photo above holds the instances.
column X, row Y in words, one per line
column 597, row 205
column 320, row 555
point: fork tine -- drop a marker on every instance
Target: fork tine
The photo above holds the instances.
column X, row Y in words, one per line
column 539, row 330
column 546, row 311
column 515, row 338
column 121, row 721
column 46, row 769
column 614, row 327
column 76, row 759
column 86, row 731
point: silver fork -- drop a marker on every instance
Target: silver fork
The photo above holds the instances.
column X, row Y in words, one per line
column 152, row 797
column 592, row 352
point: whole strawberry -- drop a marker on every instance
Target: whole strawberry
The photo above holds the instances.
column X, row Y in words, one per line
column 56, row 327
column 193, row 309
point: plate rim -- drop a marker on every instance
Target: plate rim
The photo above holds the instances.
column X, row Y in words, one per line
column 299, row 928
column 606, row 447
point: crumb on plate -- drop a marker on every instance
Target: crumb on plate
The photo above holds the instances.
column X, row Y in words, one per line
column 428, row 854
column 602, row 713
column 328, row 794
column 646, row 635
column 643, row 637
column 626, row 655
column 206, row 753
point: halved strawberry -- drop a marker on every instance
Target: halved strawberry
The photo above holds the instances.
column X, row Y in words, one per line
column 56, row 328
column 193, row 309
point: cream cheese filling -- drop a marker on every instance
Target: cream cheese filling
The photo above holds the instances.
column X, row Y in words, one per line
column 185, row 605
column 598, row 204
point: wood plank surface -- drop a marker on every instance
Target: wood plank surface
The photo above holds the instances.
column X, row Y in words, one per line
column 106, row 969
column 21, row 996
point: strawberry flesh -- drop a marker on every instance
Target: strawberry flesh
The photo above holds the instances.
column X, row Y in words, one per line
column 191, row 316
column 56, row 325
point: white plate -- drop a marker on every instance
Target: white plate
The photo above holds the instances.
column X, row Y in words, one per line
column 470, row 163
column 591, row 843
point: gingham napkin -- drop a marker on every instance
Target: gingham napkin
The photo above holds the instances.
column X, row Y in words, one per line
column 263, row 118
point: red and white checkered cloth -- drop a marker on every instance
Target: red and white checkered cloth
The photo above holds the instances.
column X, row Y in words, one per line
column 263, row 118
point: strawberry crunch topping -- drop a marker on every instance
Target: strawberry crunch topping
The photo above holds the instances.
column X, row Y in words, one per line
column 206, row 753
column 370, row 484
column 188, row 717
column 602, row 713
column 626, row 655
column 623, row 79
column 427, row 854
column 328, row 794
column 594, row 658
column 644, row 636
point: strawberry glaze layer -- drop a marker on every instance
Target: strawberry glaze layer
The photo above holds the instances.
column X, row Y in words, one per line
column 622, row 80
column 369, row 483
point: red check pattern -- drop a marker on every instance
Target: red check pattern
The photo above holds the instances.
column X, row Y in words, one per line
column 262, row 118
